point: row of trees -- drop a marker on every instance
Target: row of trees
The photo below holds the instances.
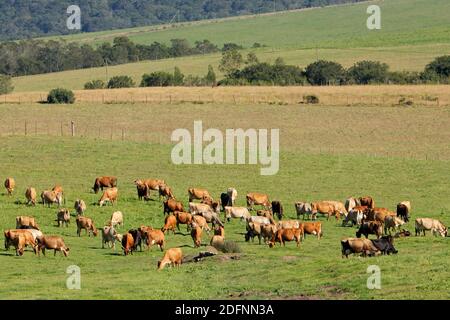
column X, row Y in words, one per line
column 37, row 56
column 27, row 19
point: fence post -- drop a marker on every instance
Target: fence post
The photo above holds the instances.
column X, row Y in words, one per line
column 26, row 128
column 62, row 133
column 72, row 126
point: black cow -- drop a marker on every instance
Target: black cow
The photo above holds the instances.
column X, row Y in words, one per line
column 402, row 212
column 372, row 227
column 137, row 237
column 277, row 209
column 225, row 199
column 385, row 244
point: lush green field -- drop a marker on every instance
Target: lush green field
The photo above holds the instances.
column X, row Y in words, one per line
column 315, row 270
column 413, row 33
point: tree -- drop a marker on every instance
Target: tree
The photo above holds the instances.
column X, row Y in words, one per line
column 157, row 79
column 94, row 84
column 325, row 73
column 60, row 95
column 5, row 84
column 231, row 46
column 120, row 82
column 440, row 66
column 365, row 72
column 251, row 58
column 210, row 78
column 231, row 61
column 178, row 77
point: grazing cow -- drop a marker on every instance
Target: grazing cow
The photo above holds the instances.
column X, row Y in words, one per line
column 196, row 193
column 367, row 201
column 350, row 203
column 326, row 208
column 173, row 256
column 283, row 235
column 392, row 223
column 55, row 243
column 356, row 245
column 151, row 184
column 109, row 195
column 261, row 220
column 232, row 195
column 166, row 192
column 277, row 209
column 379, row 214
column 142, row 190
column 128, row 244
column 116, row 219
column 109, row 236
column 338, row 206
column 303, row 208
column 87, row 224
column 196, row 234
column 183, row 218
column 314, row 228
column 25, row 221
column 137, row 238
column 104, row 182
column 80, row 207
column 404, row 210
column 215, row 205
column 153, row 236
column 225, row 200
column 206, row 211
column 264, row 213
column 288, row 224
column 201, row 222
column 385, row 244
column 219, row 231
column 371, row 227
column 254, row 198
column 236, row 213
column 356, row 216
column 217, row 242
column 10, row 184
column 170, row 223
column 63, row 217
column 30, row 195
column 172, row 205
column 435, row 226
column 11, row 238
column 51, row 197
column 35, row 233
column 57, row 189
column 265, row 231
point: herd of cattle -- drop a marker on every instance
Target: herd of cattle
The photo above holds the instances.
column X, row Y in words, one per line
column 371, row 220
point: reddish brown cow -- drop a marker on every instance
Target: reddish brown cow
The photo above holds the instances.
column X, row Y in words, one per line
column 11, row 238
column 104, row 182
column 173, row 256
column 197, row 193
column 314, row 228
column 183, row 218
column 10, row 184
column 254, row 198
column 55, row 243
column 196, row 235
column 109, row 195
column 166, row 192
column 172, row 205
column 86, row 224
column 170, row 223
column 326, row 208
column 367, row 201
column 283, row 235
column 127, row 243
column 30, row 195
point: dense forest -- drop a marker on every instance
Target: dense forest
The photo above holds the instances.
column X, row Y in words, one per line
column 22, row 19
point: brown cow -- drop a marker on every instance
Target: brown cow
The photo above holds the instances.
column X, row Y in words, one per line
column 314, row 228
column 151, row 184
column 172, row 205
column 404, row 210
column 52, row 243
column 201, row 222
column 153, row 236
column 10, row 184
column 371, row 227
column 58, row 190
column 217, row 242
column 170, row 223
column 355, row 245
column 63, row 217
column 104, row 182
column 283, row 235
column 142, row 190
column 18, row 241
column 30, row 195
column 127, row 243
column 51, row 197
column 254, row 198
column 109, row 195
column 196, row 234
column 196, row 193
column 166, row 192
column 87, row 224
column 183, row 218
column 367, row 201
column 173, row 256
column 11, row 236
column 379, row 214
column 24, row 221
column 219, row 231
column 326, row 208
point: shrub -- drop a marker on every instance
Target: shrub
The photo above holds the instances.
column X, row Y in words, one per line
column 231, row 46
column 94, row 84
column 230, row 247
column 310, row 99
column 157, row 79
column 5, row 84
column 210, row 78
column 405, row 77
column 121, row 82
column 440, row 66
column 60, row 95
column 405, row 102
column 325, row 73
column 178, row 77
column 366, row 72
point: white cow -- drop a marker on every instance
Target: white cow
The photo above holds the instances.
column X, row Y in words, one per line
column 236, row 212
column 303, row 208
column 232, row 195
column 116, row 219
column 436, row 227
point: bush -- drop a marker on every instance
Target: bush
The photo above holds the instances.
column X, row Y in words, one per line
column 94, row 84
column 440, row 66
column 231, row 46
column 405, row 77
column 157, row 79
column 121, row 82
column 310, row 99
column 368, row 72
column 5, row 84
column 325, row 73
column 60, row 95
column 230, row 247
